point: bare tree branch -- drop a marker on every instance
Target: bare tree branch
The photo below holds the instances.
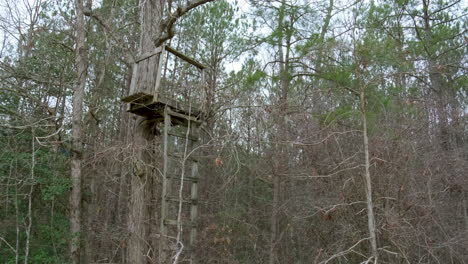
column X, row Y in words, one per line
column 168, row 23
column 342, row 253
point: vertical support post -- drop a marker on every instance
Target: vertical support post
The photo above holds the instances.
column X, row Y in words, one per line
column 162, row 55
column 202, row 78
column 164, row 210
column 133, row 82
column 201, row 89
column 134, row 79
column 193, row 205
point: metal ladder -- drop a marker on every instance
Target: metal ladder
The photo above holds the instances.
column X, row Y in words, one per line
column 179, row 206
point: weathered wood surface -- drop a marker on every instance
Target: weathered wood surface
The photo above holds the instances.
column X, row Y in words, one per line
column 147, row 100
column 137, row 98
column 166, row 182
column 142, row 104
column 157, row 84
column 178, row 143
column 148, row 54
column 194, row 210
column 186, row 58
column 147, row 77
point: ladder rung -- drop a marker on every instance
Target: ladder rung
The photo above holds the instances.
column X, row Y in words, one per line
column 182, row 130
column 175, row 199
column 187, row 248
column 188, row 117
column 186, row 178
column 174, row 222
column 182, row 135
column 178, row 156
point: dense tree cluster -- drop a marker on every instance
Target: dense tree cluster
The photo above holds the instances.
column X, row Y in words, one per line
column 334, row 131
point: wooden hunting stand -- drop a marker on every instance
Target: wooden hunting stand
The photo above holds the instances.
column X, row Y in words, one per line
column 181, row 116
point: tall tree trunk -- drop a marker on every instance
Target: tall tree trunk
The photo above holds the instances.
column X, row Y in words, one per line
column 323, row 31
column 442, row 96
column 367, row 177
column 151, row 13
column 77, row 116
column 281, row 158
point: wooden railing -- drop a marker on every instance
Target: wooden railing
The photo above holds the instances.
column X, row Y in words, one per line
column 147, row 74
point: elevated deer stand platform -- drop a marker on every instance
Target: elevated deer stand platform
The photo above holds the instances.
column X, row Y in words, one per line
column 181, row 117
column 146, row 97
column 143, row 104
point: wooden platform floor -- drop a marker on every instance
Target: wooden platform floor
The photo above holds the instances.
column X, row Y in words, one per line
column 142, row 104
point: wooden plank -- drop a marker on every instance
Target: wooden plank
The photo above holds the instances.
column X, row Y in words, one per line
column 191, row 110
column 184, row 116
column 133, row 82
column 176, row 156
column 182, row 131
column 142, row 105
column 189, row 179
column 158, row 75
column 137, row 97
column 191, row 138
column 148, row 111
column 177, row 200
column 185, row 58
column 148, row 54
column 181, row 134
column 174, row 222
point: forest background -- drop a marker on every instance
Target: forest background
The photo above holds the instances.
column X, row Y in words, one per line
column 336, row 131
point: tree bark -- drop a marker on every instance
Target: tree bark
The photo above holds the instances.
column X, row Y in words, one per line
column 77, row 116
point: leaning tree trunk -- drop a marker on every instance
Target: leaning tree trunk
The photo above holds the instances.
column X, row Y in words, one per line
column 75, row 195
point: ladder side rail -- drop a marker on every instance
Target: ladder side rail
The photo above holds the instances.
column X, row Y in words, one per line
column 194, row 199
column 202, row 90
column 194, row 207
column 166, row 182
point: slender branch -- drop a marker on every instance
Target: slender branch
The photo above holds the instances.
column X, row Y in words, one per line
column 342, row 253
column 31, row 189
column 8, row 244
column 168, row 23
